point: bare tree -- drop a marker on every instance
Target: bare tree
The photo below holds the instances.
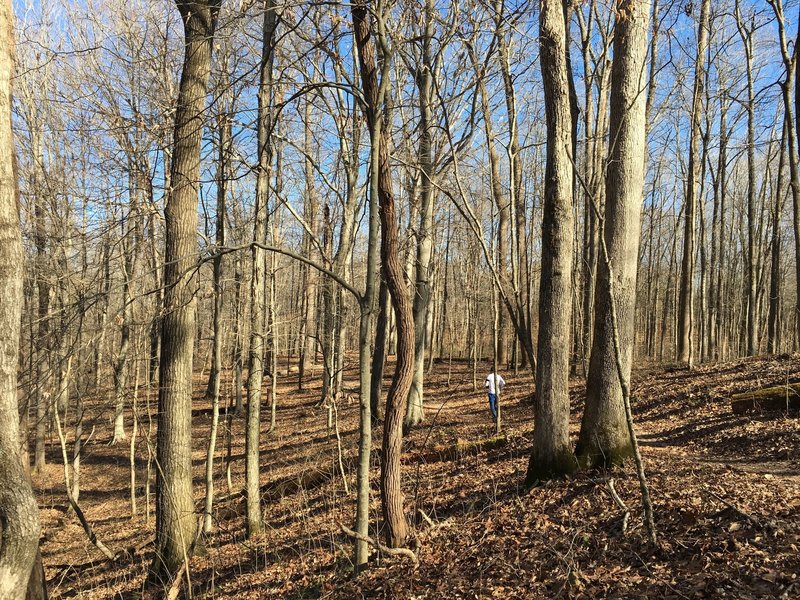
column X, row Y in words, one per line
column 604, row 437
column 19, row 514
column 685, row 308
column 552, row 454
column 258, row 314
column 175, row 522
column 374, row 93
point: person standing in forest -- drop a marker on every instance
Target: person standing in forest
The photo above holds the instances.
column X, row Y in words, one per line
column 494, row 384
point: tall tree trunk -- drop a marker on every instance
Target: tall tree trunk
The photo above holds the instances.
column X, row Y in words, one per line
column 19, row 514
column 422, row 297
column 516, row 203
column 604, row 437
column 685, row 304
column 552, row 455
column 175, row 521
column 366, row 379
column 391, row 493
column 258, row 315
column 130, row 246
column 792, row 120
column 223, row 156
column 773, row 315
column 750, row 273
column 310, row 276
column 223, row 159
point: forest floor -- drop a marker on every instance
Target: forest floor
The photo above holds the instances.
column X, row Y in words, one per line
column 725, row 489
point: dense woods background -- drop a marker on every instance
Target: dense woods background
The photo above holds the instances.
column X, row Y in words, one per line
column 243, row 208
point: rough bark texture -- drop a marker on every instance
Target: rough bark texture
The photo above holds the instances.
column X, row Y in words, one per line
column 604, row 435
column 396, row 527
column 175, row 520
column 552, row 454
column 19, row 515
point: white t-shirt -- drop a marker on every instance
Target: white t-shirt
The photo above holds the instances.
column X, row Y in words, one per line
column 489, row 383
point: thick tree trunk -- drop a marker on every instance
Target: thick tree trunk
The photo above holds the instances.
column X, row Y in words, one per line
column 604, row 437
column 19, row 515
column 175, row 521
column 551, row 454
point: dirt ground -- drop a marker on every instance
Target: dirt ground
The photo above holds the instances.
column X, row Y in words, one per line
column 725, row 490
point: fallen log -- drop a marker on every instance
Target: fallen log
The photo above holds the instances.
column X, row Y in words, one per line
column 776, row 398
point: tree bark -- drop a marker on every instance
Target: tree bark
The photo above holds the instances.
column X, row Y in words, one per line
column 223, row 156
column 552, row 455
column 604, row 437
column 391, row 493
column 773, row 314
column 379, row 352
column 175, row 520
column 685, row 304
column 258, row 305
column 422, row 297
column 19, row 514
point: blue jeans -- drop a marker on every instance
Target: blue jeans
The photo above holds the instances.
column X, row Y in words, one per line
column 493, row 405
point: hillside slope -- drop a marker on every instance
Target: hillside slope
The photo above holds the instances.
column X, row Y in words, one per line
column 725, row 489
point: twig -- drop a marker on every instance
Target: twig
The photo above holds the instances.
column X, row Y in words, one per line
column 734, row 508
column 385, row 549
column 72, row 502
column 626, row 513
column 425, row 517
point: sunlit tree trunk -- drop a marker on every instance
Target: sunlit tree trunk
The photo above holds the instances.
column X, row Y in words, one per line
column 604, row 435
column 391, row 492
column 175, row 521
column 686, row 295
column 258, row 304
column 552, row 455
column 19, row 515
